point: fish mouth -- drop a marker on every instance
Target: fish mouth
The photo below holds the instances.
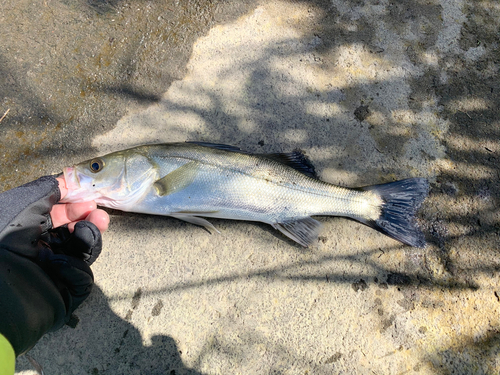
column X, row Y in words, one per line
column 72, row 181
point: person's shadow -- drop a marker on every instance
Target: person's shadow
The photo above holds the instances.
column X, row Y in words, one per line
column 104, row 343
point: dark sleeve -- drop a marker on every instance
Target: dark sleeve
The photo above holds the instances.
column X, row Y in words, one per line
column 30, row 303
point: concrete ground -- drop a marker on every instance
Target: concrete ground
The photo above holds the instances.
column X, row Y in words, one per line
column 372, row 91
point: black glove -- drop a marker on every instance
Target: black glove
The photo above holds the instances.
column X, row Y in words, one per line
column 44, row 272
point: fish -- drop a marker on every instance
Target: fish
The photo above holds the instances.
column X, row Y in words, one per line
column 195, row 181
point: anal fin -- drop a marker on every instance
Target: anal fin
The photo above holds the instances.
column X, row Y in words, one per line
column 303, row 231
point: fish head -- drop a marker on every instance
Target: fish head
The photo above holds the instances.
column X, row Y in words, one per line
column 116, row 180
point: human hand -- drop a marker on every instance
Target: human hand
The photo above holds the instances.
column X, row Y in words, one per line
column 44, row 269
column 71, row 213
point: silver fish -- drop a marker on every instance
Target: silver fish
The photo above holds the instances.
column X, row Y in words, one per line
column 193, row 180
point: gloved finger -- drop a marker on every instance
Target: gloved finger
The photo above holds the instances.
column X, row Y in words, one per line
column 25, row 215
column 73, row 277
column 84, row 242
column 66, row 213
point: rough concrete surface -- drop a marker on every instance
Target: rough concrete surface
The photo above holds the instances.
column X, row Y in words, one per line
column 372, row 91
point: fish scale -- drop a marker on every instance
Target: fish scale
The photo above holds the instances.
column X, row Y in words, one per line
column 250, row 188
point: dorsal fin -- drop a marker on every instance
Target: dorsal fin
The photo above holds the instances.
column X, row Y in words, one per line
column 218, row 146
column 297, row 160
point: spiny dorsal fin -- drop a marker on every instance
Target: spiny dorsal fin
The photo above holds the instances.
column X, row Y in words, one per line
column 297, row 160
column 304, row 230
column 218, row 146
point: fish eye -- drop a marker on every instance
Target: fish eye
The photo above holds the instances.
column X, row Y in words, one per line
column 96, row 165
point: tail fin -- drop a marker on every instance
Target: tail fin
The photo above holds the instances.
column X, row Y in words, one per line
column 401, row 201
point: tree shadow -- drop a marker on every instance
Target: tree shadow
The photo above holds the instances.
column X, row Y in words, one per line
column 472, row 180
column 478, row 355
column 460, row 85
column 463, row 209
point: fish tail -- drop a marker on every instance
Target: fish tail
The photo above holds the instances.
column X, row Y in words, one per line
column 400, row 202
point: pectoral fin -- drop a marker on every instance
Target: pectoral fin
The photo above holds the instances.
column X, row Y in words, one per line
column 304, row 231
column 177, row 180
column 190, row 218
